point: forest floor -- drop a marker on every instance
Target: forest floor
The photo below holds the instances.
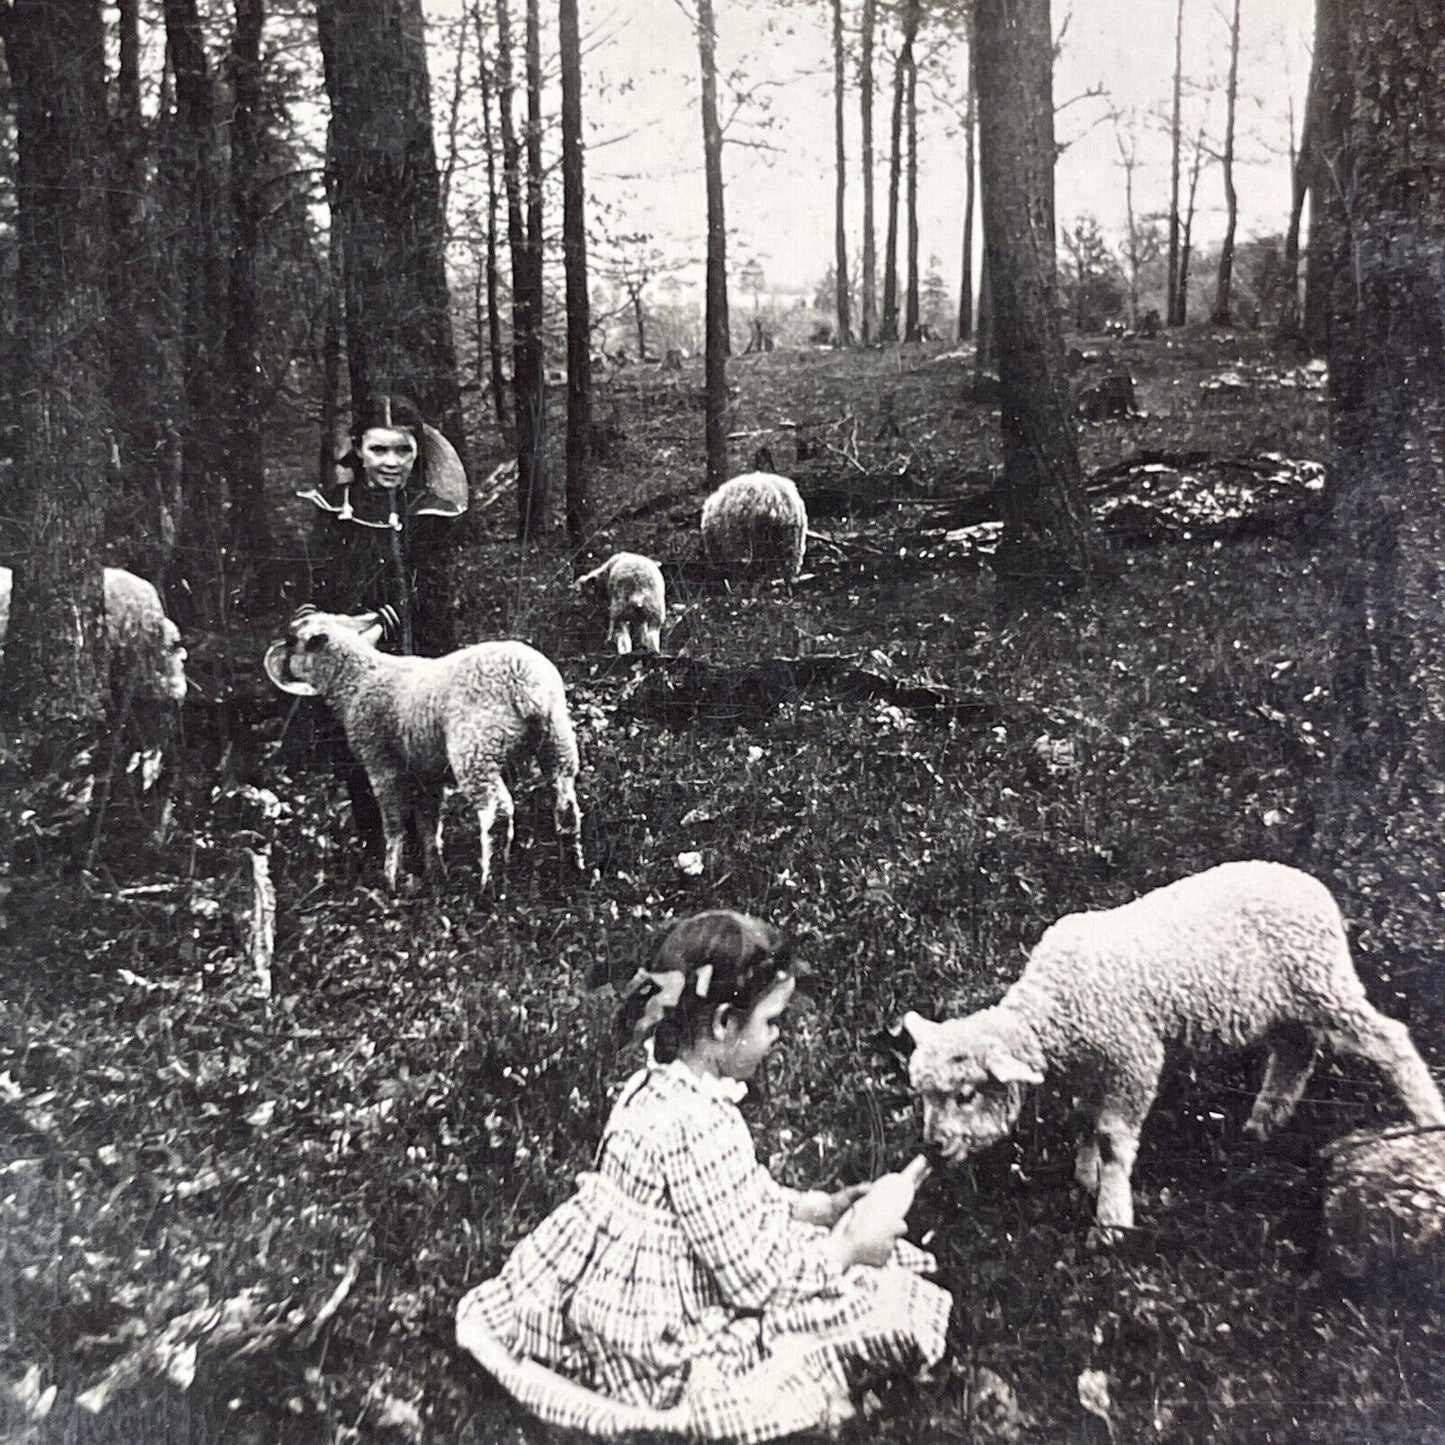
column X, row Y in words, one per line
column 251, row 1218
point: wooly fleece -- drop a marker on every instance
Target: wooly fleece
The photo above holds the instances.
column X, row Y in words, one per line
column 145, row 645
column 756, row 523
column 410, row 719
column 636, row 599
column 1244, row 953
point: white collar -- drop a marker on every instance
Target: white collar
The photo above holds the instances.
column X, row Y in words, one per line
column 729, row 1091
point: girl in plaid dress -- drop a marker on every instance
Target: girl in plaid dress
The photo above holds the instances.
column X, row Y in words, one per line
column 681, row 1276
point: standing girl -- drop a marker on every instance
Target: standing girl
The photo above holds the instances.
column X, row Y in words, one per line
column 681, row 1277
column 395, row 498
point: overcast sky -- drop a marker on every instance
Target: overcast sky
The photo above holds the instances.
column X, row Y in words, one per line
column 645, row 151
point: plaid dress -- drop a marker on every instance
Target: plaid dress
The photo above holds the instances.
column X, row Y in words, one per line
column 676, row 1278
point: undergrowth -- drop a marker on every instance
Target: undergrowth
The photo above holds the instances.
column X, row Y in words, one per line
column 432, row 1070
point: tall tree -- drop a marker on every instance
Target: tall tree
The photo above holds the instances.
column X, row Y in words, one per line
column 970, row 171
column 535, row 494
column 1186, row 229
column 495, row 374
column 869, row 26
column 134, row 312
column 190, row 183
column 245, row 462
column 888, row 327
column 387, row 219
column 1047, row 531
column 55, row 653
column 1323, row 123
column 388, row 207
column 528, row 394
column 715, row 323
column 1386, row 145
column 911, row 16
column 1174, row 303
column 840, row 211
column 1289, row 320
column 1221, row 313
column 574, row 255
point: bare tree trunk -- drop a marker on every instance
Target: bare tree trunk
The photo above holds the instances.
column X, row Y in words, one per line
column 133, row 276
column 840, row 217
column 1186, row 241
column 1323, row 123
column 985, row 350
column 525, row 403
column 865, row 107
column 888, row 330
column 200, row 585
column 715, row 347
column 1174, row 305
column 245, row 460
column 449, row 166
column 1221, row 315
column 535, row 513
column 970, row 167
column 495, row 369
column 574, row 251
column 1129, row 159
column 331, row 344
column 1386, row 132
column 388, row 215
column 910, row 308
column 55, row 655
column 1289, row 321
column 388, row 199
column 1047, row 530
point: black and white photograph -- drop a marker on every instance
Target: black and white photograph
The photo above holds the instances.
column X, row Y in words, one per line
column 722, row 721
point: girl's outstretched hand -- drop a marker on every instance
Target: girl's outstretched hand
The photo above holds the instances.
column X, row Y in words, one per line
column 865, row 1234
column 817, row 1206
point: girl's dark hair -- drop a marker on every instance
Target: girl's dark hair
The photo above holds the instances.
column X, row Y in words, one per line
column 722, row 957
column 388, row 409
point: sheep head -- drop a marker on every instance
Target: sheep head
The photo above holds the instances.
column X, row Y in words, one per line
column 305, row 660
column 970, row 1073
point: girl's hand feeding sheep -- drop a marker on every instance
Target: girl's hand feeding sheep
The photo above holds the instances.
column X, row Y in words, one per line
column 681, row 1276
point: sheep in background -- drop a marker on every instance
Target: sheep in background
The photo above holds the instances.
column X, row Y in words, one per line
column 410, row 719
column 636, row 599
column 145, row 645
column 1243, row 953
column 756, row 524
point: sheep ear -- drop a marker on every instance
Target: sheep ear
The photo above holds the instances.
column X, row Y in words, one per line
column 1008, row 1070
column 274, row 664
column 918, row 1028
column 373, row 629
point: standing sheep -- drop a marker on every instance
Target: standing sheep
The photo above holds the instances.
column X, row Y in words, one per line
column 636, row 598
column 1243, row 953
column 756, row 525
column 145, row 645
column 410, row 719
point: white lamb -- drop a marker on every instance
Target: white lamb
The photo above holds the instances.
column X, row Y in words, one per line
column 410, row 719
column 145, row 645
column 636, row 598
column 1243, row 953
column 756, row 525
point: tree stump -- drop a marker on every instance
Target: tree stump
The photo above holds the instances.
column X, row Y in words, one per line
column 1109, row 397
column 1384, row 1204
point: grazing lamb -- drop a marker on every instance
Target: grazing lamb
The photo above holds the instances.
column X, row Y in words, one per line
column 145, row 645
column 636, row 599
column 409, row 719
column 1243, row 953
column 756, row 524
